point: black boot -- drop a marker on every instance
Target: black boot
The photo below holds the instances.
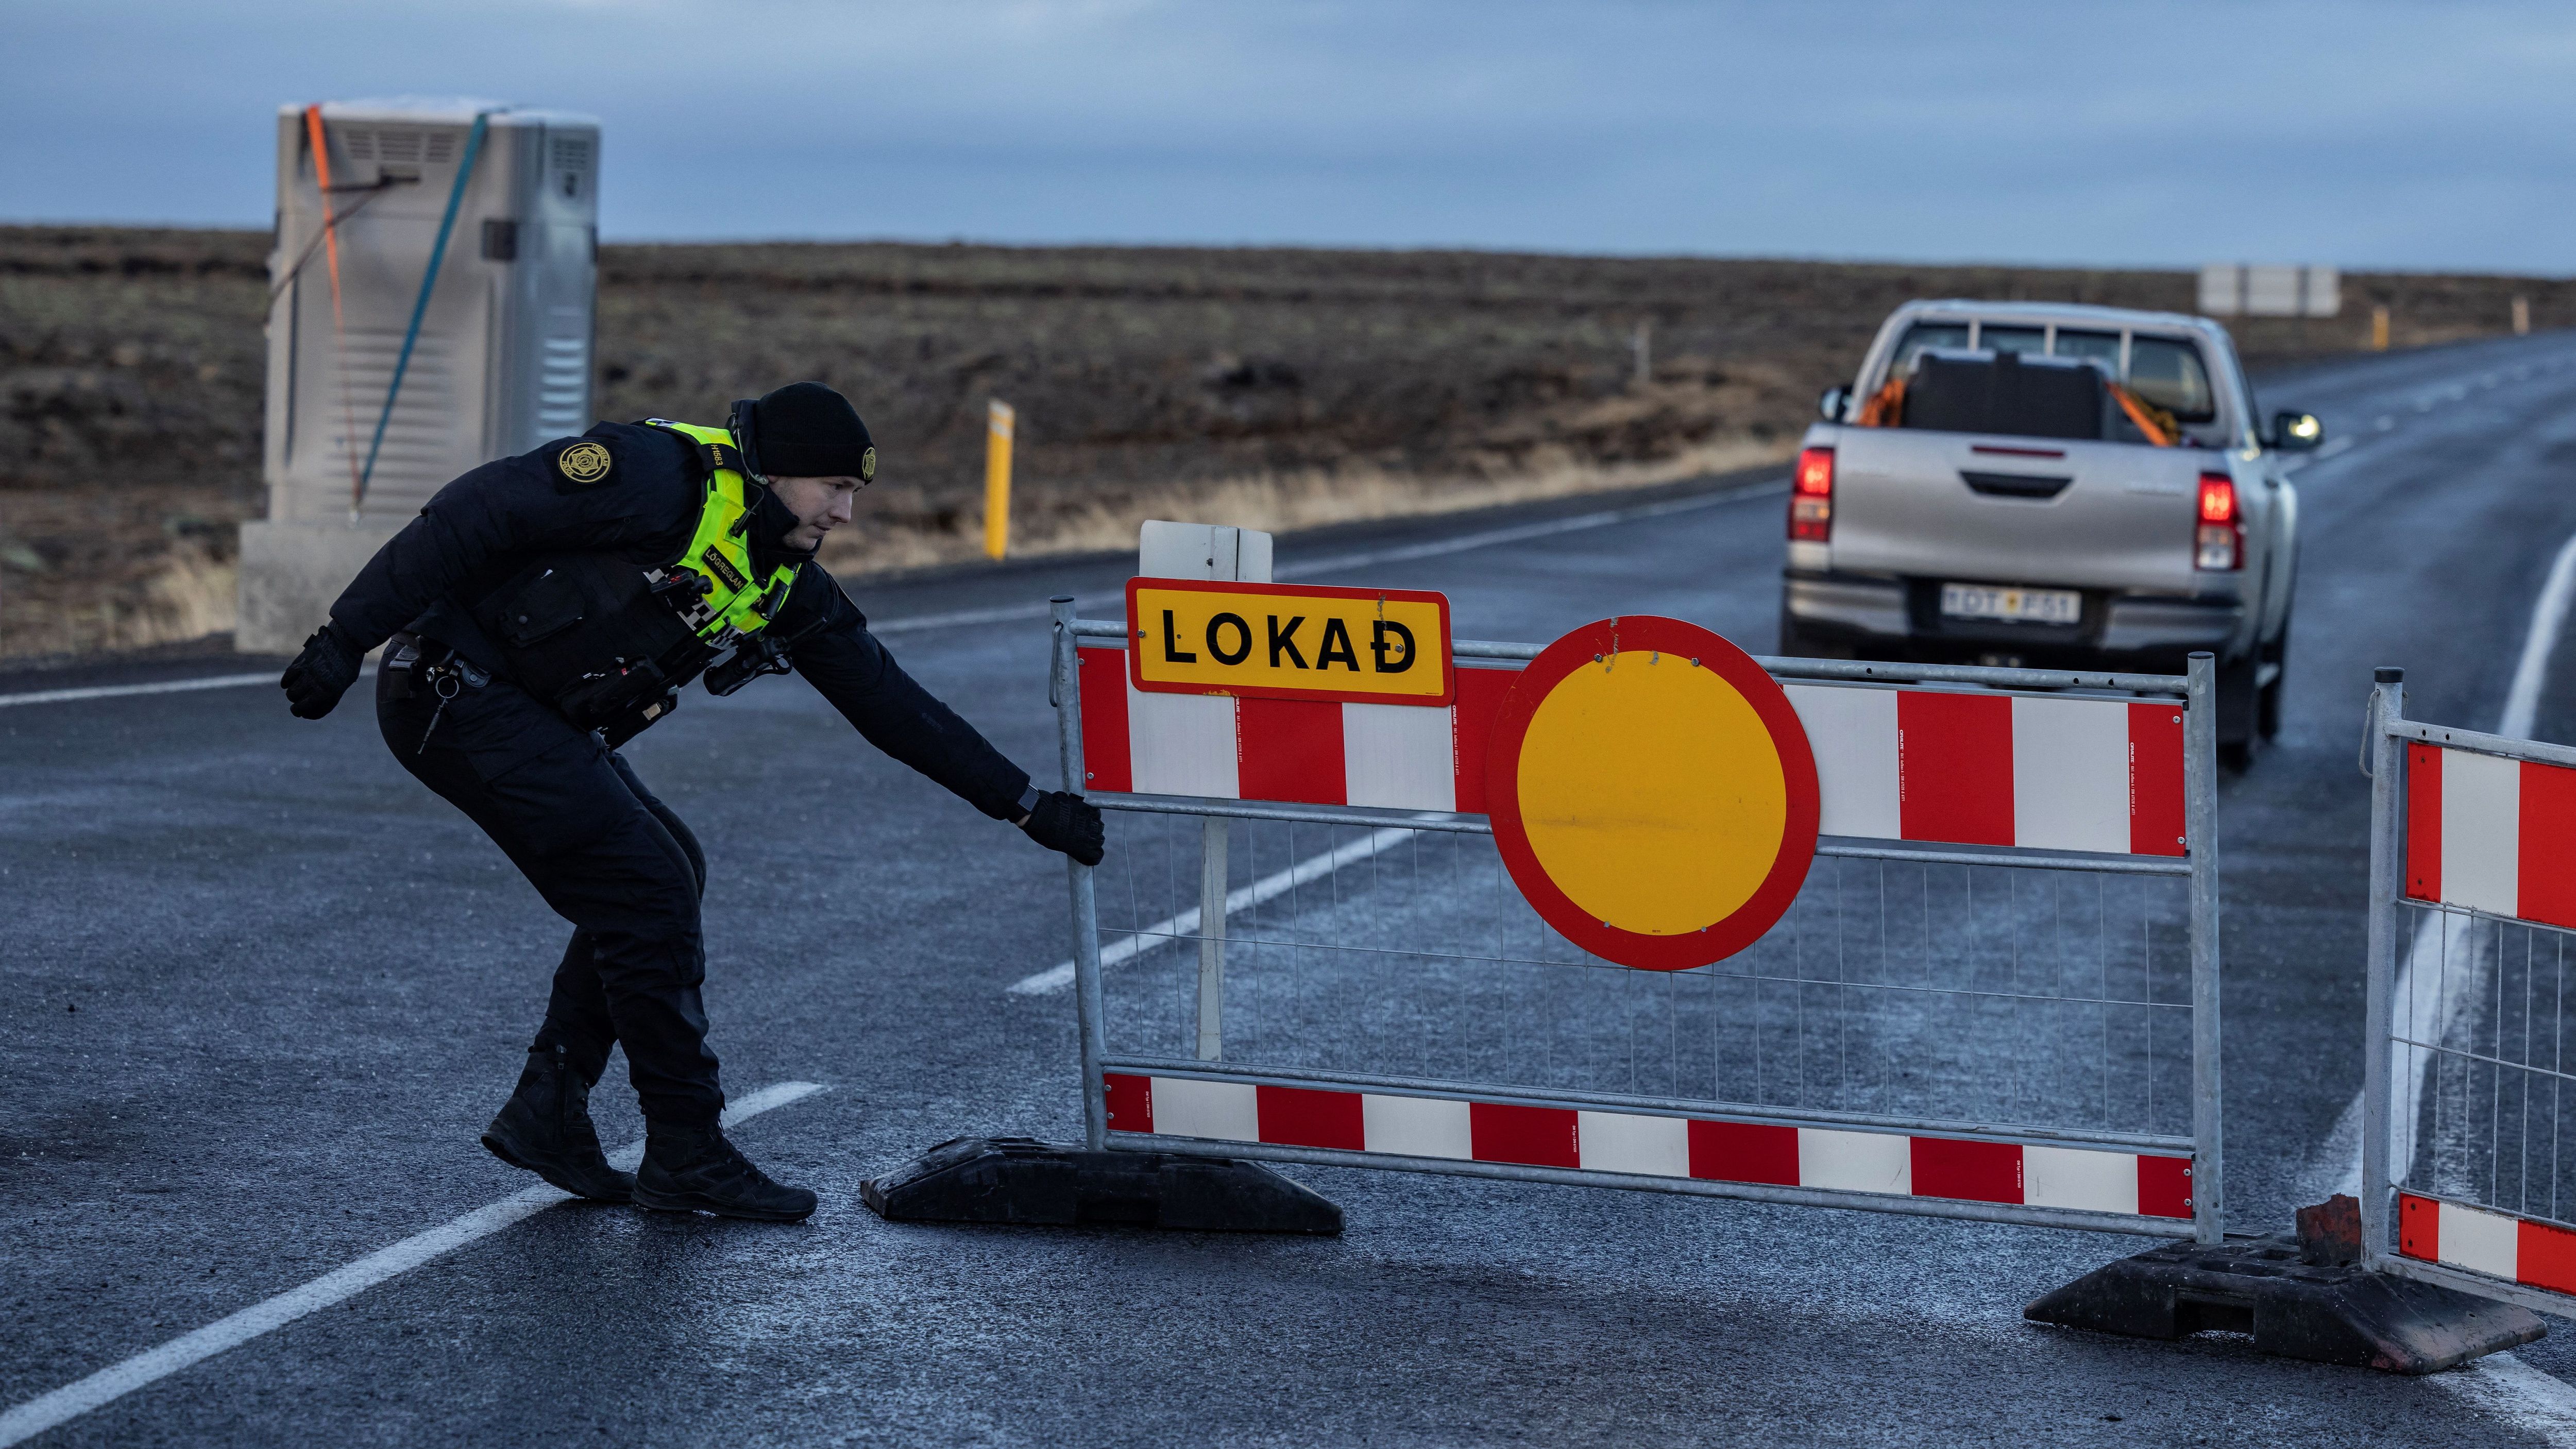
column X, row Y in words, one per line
column 694, row 1169
column 545, row 1128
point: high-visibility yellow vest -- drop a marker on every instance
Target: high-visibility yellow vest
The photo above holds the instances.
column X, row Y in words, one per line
column 734, row 601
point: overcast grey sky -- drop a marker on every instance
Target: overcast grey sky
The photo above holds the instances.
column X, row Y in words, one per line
column 2411, row 135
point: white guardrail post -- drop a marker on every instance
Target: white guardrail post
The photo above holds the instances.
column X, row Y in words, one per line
column 2200, row 824
column 1065, row 688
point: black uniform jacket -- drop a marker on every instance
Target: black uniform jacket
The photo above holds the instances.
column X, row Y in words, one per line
column 488, row 524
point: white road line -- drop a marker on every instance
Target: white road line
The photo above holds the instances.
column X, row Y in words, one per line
column 1436, row 548
column 1576, row 524
column 166, row 686
column 2548, row 618
column 119, row 691
column 2332, row 449
column 2505, row 1387
column 996, row 615
column 2435, row 985
column 117, row 1380
column 1056, row 978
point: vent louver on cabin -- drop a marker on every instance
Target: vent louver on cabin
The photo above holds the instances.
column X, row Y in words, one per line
column 399, row 145
column 570, row 158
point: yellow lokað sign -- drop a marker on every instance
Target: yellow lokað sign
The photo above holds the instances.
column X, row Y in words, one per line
column 1285, row 641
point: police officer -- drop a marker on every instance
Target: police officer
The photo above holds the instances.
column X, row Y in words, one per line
column 538, row 613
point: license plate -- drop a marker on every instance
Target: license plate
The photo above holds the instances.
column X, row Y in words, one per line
column 2031, row 606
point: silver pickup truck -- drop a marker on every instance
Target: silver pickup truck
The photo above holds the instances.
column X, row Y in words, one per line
column 2050, row 485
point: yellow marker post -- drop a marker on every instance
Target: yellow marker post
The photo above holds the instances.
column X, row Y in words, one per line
column 2522, row 316
column 998, row 419
column 2379, row 329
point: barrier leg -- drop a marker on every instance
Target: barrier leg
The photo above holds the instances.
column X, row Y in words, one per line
column 2200, row 826
column 2339, row 1313
column 2387, row 760
column 1020, row 1180
column 2318, row 1294
column 1064, row 691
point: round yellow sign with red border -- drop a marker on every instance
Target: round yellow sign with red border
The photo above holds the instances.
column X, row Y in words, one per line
column 1653, row 793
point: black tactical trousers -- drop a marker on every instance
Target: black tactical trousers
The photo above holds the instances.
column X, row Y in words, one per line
column 603, row 852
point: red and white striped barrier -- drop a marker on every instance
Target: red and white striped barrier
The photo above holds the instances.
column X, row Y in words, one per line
column 1638, row 1144
column 1313, row 752
column 2499, row 1245
column 1955, row 767
column 2490, row 834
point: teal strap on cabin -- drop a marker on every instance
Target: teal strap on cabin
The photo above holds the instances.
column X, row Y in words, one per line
column 420, row 306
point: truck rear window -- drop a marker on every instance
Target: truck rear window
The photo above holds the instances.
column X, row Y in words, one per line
column 2101, row 347
column 2169, row 374
column 1923, row 335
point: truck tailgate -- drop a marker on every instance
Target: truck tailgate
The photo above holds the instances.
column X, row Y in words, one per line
column 2015, row 510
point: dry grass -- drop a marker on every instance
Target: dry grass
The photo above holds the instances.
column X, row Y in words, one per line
column 90, row 570
column 186, row 595
column 1275, row 502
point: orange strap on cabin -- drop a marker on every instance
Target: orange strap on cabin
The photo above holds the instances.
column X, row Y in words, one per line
column 2158, row 432
column 1885, row 406
column 339, row 323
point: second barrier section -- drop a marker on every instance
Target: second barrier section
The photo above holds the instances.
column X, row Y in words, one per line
column 2469, row 1163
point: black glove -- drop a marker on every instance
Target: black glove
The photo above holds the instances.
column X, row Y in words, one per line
column 1066, row 822
column 322, row 673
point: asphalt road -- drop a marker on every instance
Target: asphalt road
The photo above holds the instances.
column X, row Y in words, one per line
column 262, row 991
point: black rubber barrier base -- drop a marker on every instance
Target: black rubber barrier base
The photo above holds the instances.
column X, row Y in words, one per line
column 1025, row 1181
column 2324, row 1313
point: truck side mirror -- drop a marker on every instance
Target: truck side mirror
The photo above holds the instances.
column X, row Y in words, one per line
column 2296, row 432
column 1832, row 404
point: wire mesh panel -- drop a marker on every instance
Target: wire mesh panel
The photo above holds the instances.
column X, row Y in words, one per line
column 2484, row 1059
column 1304, row 944
column 1975, row 995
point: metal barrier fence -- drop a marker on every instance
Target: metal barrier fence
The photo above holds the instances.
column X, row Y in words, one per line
column 1996, row 996
column 2471, row 1055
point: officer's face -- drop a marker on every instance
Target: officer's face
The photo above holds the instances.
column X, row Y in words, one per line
column 820, row 505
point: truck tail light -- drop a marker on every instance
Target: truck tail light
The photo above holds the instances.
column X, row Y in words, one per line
column 1811, row 497
column 2219, row 543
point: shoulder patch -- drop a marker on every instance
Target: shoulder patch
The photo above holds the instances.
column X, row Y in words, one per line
column 584, row 463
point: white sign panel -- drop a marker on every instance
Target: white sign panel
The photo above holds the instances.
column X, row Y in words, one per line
column 2231, row 290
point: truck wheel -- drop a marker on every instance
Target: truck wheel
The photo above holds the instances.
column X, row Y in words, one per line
column 1796, row 643
column 2239, row 711
column 2267, row 707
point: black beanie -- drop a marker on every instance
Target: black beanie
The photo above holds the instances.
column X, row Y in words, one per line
column 806, row 430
